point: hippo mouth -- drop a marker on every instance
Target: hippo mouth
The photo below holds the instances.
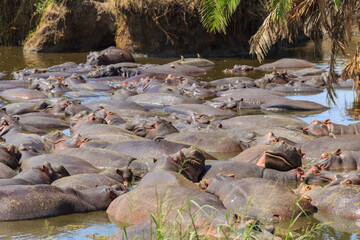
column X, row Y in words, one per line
column 277, row 161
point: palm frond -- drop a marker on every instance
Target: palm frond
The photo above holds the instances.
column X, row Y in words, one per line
column 216, row 14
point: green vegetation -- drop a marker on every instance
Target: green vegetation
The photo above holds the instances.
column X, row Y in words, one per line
column 16, row 20
column 237, row 228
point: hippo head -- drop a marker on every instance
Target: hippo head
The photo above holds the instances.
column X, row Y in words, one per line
column 60, row 171
column 7, row 124
column 191, row 162
column 313, row 175
column 283, row 157
column 331, row 161
column 318, row 128
column 126, row 175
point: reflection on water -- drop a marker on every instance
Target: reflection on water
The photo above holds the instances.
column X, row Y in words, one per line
column 74, row 226
column 87, row 226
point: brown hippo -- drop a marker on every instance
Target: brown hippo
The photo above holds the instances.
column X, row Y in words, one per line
column 341, row 200
column 240, row 170
column 326, row 127
column 56, row 141
column 170, row 201
column 209, row 141
column 346, row 178
column 259, row 198
column 151, row 127
column 279, row 156
column 17, row 134
column 86, row 181
column 39, row 201
column 99, row 157
column 340, row 161
column 190, row 162
column 73, row 165
column 22, row 94
column 6, row 172
column 314, row 148
column 286, row 63
column 161, row 99
column 108, row 56
column 10, row 156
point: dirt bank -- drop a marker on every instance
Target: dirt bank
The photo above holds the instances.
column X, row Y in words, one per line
column 155, row 28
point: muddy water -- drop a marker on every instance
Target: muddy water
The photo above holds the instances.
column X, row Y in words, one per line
column 93, row 225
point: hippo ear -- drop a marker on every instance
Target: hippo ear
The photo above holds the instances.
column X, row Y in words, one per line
column 112, row 193
column 347, row 181
column 326, row 122
column 338, row 152
column 154, row 160
column 119, row 171
column 42, row 168
column 325, row 155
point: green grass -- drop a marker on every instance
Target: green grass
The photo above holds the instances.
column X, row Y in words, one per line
column 179, row 228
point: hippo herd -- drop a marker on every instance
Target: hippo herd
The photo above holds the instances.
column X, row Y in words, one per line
column 151, row 144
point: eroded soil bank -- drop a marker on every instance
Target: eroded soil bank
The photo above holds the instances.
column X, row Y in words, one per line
column 154, row 28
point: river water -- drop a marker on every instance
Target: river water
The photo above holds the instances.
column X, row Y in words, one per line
column 96, row 225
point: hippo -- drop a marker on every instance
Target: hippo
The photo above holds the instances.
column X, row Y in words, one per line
column 326, row 127
column 345, row 178
column 286, row 63
column 99, row 157
column 108, row 56
column 86, row 181
column 190, row 162
column 147, row 149
column 349, row 160
column 22, row 94
column 44, row 121
column 270, row 101
column 56, row 141
column 73, row 165
column 240, row 170
column 17, row 134
column 209, row 141
column 161, row 99
column 314, row 148
column 279, row 156
column 171, row 200
column 123, row 175
column 44, row 174
column 150, row 128
column 259, row 198
column 198, row 62
column 19, row 108
column 40, row 201
column 6, row 172
column 198, row 109
column 340, row 200
column 10, row 156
